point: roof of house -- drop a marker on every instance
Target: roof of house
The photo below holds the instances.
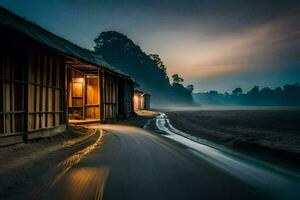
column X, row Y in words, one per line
column 55, row 42
column 141, row 92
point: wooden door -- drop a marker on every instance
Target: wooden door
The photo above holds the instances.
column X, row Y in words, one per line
column 92, row 97
column 78, row 98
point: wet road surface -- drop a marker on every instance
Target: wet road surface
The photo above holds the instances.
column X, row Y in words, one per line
column 132, row 163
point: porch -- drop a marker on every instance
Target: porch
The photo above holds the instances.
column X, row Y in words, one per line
column 83, row 92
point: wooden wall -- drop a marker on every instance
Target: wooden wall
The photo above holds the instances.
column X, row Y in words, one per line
column 13, row 86
column 45, row 90
column 75, row 94
column 126, row 91
column 146, row 102
column 138, row 98
column 31, row 86
column 110, row 96
column 92, row 97
column 83, row 95
column 1, row 93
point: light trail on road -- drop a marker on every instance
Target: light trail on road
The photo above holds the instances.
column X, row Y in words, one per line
column 277, row 182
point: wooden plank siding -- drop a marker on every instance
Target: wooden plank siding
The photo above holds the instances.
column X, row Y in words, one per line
column 40, row 90
column 45, row 89
column 83, row 95
column 110, row 96
column 13, row 88
column 31, row 87
column 125, row 91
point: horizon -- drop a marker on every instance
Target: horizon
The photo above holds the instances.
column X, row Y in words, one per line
column 223, row 45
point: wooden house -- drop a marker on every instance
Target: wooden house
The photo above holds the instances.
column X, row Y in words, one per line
column 146, row 101
column 47, row 81
column 141, row 100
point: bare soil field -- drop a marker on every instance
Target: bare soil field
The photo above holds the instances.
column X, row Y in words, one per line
column 277, row 129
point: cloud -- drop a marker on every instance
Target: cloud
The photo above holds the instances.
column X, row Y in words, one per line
column 268, row 45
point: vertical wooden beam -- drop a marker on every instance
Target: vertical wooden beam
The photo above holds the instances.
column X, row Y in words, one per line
column 117, row 96
column 99, row 92
column 46, row 77
column 9, row 93
column 42, row 69
column 35, row 66
column 65, row 91
column 54, row 77
column 26, row 70
column 4, row 92
column 103, row 96
column 12, row 99
column 84, row 94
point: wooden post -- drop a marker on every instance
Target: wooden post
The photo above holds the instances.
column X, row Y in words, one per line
column 41, row 66
column 117, row 96
column 84, row 94
column 12, row 99
column 4, row 92
column 103, row 97
column 46, row 77
column 26, row 117
column 54, row 78
column 66, row 89
column 99, row 92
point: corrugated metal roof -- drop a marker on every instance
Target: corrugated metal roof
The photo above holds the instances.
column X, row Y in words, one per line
column 53, row 41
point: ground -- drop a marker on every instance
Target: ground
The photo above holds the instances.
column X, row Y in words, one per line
column 20, row 162
column 274, row 130
column 124, row 161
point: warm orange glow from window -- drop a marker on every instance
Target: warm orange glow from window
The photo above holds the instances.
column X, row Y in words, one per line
column 136, row 102
column 136, row 99
column 78, row 80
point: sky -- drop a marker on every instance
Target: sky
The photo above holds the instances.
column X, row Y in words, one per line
column 212, row 44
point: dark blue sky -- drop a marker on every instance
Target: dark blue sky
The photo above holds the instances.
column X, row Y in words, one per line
column 213, row 44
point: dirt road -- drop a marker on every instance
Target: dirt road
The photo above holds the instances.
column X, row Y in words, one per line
column 132, row 163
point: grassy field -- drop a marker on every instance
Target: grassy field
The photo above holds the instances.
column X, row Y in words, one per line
column 277, row 129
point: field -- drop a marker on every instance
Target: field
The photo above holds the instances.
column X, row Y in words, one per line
column 277, row 129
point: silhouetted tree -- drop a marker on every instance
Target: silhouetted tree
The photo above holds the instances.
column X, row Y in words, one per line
column 237, row 91
column 147, row 70
column 158, row 62
column 288, row 96
column 254, row 91
column 190, row 88
column 177, row 79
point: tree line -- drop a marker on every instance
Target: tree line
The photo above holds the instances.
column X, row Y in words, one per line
column 148, row 70
column 287, row 95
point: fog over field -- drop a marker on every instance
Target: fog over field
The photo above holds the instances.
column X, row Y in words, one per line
column 274, row 128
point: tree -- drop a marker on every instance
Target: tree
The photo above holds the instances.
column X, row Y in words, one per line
column 254, row 91
column 237, row 91
column 190, row 88
column 177, row 79
column 158, row 61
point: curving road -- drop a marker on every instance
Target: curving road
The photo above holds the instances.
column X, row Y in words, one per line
column 132, row 163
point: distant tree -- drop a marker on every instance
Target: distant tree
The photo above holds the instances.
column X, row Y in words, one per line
column 254, row 91
column 266, row 91
column 159, row 63
column 177, row 79
column 190, row 88
column 289, row 94
column 237, row 91
column 213, row 93
column 157, row 60
column 278, row 90
column 147, row 70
